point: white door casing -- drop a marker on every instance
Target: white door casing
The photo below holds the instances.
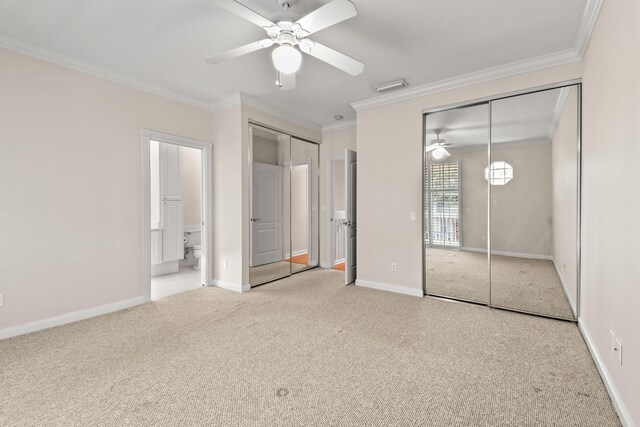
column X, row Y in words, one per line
column 266, row 214
column 350, row 165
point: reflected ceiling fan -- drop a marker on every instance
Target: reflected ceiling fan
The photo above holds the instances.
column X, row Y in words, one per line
column 288, row 35
column 438, row 152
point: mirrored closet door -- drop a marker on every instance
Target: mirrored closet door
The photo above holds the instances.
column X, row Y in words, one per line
column 501, row 192
column 284, row 198
column 456, row 197
column 534, row 202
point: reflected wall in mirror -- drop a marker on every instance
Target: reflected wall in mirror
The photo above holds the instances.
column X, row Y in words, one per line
column 534, row 212
column 304, row 205
column 456, row 196
column 270, row 206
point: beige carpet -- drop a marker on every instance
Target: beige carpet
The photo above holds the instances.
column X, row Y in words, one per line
column 518, row 283
column 305, row 351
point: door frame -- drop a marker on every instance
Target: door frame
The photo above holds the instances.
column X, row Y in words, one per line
column 309, row 165
column 331, row 255
column 207, row 199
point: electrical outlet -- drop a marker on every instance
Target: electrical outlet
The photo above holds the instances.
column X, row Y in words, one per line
column 1, row 300
column 619, row 351
column 394, row 267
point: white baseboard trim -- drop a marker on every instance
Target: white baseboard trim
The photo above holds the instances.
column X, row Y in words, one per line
column 511, row 254
column 235, row 287
column 623, row 414
column 390, row 288
column 75, row 316
column 564, row 286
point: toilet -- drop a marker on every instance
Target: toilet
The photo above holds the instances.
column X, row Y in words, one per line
column 197, row 253
column 193, row 245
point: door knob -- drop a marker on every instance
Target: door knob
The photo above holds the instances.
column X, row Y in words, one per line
column 255, row 219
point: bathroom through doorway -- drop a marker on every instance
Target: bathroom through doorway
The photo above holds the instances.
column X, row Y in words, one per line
column 177, row 214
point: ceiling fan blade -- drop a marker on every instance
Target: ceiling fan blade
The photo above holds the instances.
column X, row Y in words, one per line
column 328, row 15
column 239, row 51
column 430, row 148
column 244, row 12
column 335, row 58
column 287, row 81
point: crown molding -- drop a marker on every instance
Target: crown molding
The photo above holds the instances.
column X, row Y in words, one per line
column 557, row 112
column 227, row 102
column 489, row 74
column 587, row 24
column 252, row 102
column 349, row 124
column 45, row 55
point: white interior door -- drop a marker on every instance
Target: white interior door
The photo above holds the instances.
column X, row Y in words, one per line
column 266, row 214
column 350, row 165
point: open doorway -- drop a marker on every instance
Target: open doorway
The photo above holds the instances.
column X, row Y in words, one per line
column 337, row 214
column 341, row 206
column 176, row 214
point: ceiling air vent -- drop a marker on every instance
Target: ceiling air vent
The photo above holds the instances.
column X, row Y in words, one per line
column 388, row 87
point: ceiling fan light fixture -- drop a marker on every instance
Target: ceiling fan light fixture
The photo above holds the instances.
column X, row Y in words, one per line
column 439, row 153
column 286, row 59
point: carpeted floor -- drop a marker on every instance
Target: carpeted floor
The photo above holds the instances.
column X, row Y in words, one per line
column 275, row 270
column 304, row 351
column 530, row 285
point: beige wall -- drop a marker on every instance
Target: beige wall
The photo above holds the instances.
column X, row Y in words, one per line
column 390, row 186
column 71, row 183
column 265, row 151
column 521, row 210
column 611, row 198
column 565, row 171
column 333, row 144
column 227, row 196
column 192, row 185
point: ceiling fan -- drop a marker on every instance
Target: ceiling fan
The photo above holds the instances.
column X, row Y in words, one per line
column 438, row 152
column 287, row 35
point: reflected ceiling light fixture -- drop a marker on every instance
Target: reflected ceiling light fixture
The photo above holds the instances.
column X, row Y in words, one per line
column 438, row 152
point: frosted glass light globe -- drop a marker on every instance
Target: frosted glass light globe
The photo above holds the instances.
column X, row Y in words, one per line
column 286, row 59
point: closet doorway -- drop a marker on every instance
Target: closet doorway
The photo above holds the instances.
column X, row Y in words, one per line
column 502, row 202
column 284, row 197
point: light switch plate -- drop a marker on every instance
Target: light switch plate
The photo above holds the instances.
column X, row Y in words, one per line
column 412, row 216
column 1, row 300
column 619, row 351
column 613, row 341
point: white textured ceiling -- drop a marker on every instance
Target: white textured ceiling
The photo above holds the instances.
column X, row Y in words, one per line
column 162, row 44
column 520, row 119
